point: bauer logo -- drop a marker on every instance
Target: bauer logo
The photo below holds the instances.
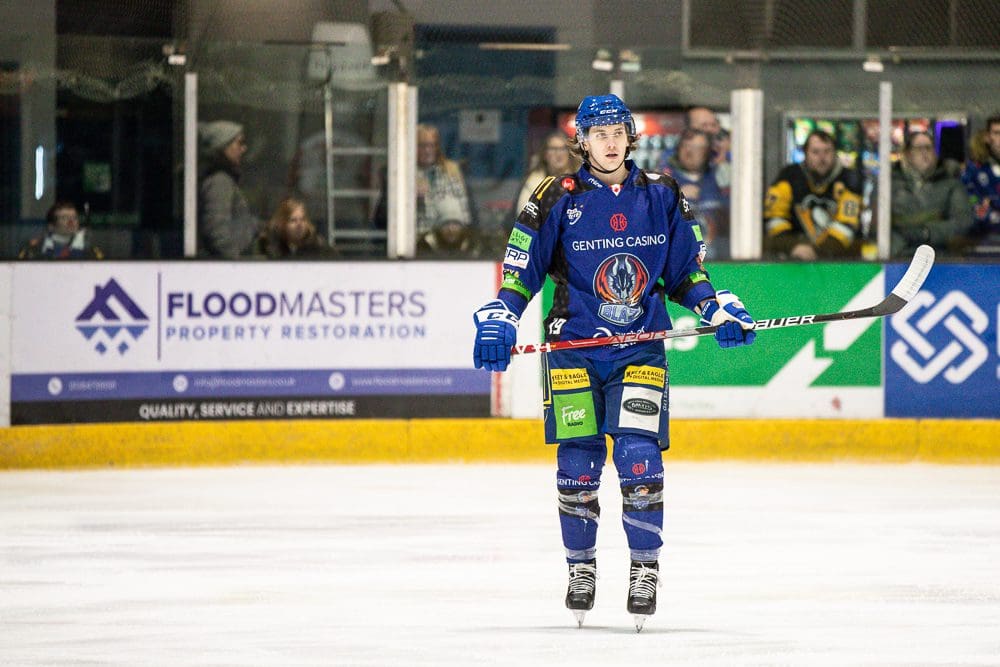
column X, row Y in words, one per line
column 112, row 320
column 943, row 349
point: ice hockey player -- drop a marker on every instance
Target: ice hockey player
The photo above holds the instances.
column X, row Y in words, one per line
column 616, row 240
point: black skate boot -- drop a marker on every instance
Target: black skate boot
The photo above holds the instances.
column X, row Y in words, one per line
column 642, row 582
column 580, row 594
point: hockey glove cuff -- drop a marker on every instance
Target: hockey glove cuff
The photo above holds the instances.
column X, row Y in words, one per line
column 728, row 313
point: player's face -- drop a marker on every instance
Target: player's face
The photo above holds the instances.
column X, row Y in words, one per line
column 607, row 145
column 921, row 155
column 820, row 157
column 993, row 139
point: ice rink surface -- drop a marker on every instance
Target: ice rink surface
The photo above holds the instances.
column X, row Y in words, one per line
column 462, row 565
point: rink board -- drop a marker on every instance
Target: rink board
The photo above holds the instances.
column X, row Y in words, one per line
column 483, row 441
column 173, row 341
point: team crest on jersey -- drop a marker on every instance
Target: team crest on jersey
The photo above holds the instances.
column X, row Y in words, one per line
column 620, row 282
column 573, row 215
column 568, row 184
column 619, row 222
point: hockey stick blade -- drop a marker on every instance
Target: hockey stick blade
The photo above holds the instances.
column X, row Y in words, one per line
column 901, row 294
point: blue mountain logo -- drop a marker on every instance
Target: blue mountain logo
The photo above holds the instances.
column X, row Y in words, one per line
column 112, row 328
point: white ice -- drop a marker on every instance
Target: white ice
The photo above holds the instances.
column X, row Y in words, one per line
column 463, row 565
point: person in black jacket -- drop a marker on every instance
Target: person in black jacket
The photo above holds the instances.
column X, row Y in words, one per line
column 813, row 209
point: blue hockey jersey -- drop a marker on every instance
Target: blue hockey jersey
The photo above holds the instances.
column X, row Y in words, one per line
column 614, row 253
column 982, row 179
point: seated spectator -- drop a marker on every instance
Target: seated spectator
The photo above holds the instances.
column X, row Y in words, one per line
column 226, row 227
column 553, row 159
column 982, row 180
column 64, row 237
column 705, row 120
column 291, row 235
column 928, row 205
column 444, row 220
column 690, row 167
column 813, row 209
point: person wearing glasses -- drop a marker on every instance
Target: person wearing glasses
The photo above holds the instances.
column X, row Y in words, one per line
column 929, row 206
column 64, row 238
column 553, row 159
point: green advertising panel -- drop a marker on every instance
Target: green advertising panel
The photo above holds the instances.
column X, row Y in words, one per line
column 842, row 354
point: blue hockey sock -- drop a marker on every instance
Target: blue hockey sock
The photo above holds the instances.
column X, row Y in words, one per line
column 640, row 470
column 578, row 480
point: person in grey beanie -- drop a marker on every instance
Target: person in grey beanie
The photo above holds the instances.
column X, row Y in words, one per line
column 226, row 226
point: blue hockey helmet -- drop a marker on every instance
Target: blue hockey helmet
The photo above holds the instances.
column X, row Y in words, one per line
column 597, row 110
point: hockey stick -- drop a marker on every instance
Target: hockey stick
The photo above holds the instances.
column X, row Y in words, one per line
column 901, row 294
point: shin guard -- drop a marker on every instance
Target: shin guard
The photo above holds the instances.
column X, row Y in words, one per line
column 578, row 480
column 640, row 469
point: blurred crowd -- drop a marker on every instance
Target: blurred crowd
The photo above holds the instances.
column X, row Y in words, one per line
column 814, row 209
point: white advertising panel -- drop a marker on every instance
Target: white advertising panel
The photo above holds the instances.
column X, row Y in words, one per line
column 177, row 331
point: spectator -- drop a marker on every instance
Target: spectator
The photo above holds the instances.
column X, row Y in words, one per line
column 812, row 209
column 63, row 238
column 928, row 205
column 290, row 234
column 554, row 159
column 226, row 227
column 690, row 167
column 982, row 180
column 705, row 120
column 444, row 220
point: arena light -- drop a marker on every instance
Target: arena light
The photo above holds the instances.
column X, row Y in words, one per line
column 873, row 64
column 522, row 46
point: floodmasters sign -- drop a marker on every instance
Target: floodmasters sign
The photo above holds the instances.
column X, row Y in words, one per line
column 143, row 341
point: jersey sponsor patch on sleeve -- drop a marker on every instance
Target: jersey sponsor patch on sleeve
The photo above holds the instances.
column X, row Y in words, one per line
column 519, row 239
column 649, row 375
column 686, row 211
column 564, row 379
column 512, row 281
column 516, row 257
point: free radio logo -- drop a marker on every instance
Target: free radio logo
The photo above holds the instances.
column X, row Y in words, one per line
column 940, row 337
column 112, row 320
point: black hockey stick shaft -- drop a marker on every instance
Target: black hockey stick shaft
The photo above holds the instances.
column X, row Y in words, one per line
column 901, row 294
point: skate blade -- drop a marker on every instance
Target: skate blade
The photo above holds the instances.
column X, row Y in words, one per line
column 640, row 620
column 579, row 617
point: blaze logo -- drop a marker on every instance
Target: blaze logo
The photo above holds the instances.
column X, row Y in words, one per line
column 620, row 281
column 568, row 184
column 127, row 319
column 619, row 222
column 960, row 317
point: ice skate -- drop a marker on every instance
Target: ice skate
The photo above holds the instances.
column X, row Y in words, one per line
column 580, row 593
column 642, row 582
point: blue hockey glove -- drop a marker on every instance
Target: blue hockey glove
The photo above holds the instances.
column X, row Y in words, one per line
column 734, row 322
column 496, row 332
